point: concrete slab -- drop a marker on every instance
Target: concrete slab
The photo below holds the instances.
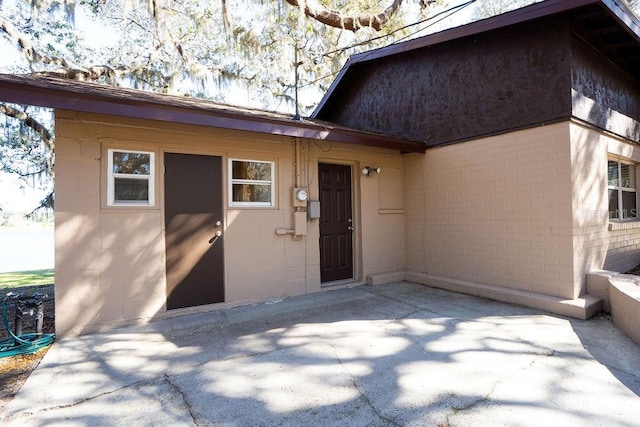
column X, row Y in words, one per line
column 396, row 354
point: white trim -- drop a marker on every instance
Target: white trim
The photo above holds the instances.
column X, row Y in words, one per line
column 271, row 184
column 620, row 189
column 112, row 176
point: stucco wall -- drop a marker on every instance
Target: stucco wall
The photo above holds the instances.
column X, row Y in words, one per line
column 495, row 211
column 110, row 265
column 599, row 244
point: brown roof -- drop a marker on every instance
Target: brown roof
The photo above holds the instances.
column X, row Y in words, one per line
column 613, row 29
column 96, row 98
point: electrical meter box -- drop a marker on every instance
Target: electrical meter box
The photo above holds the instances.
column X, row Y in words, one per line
column 300, row 196
column 313, row 210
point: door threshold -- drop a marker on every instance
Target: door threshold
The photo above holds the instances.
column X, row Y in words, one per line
column 341, row 283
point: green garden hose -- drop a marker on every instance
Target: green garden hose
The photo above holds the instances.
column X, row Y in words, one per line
column 24, row 343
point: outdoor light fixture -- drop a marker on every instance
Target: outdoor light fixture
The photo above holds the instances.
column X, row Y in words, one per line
column 370, row 170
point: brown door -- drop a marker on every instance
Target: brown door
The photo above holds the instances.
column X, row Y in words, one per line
column 336, row 223
column 193, row 230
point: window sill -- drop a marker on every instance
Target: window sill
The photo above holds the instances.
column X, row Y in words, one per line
column 252, row 207
column 624, row 225
column 105, row 208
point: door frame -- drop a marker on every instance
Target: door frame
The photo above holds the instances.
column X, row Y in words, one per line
column 161, row 200
column 356, row 216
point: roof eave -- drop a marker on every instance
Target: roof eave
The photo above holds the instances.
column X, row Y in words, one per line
column 624, row 16
column 15, row 91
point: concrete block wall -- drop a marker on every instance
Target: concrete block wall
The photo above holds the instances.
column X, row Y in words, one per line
column 624, row 250
column 378, row 210
column 625, row 307
column 598, row 242
column 621, row 296
column 495, row 210
column 110, row 263
column 92, row 258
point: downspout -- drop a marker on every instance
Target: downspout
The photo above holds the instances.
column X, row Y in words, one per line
column 298, row 210
column 297, row 159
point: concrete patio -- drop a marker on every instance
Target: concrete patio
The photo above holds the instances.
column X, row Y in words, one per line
column 398, row 354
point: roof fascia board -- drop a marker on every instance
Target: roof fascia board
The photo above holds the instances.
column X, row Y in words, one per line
column 95, row 103
column 517, row 16
column 334, row 85
column 624, row 16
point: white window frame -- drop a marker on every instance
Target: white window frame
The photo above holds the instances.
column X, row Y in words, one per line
column 151, row 178
column 271, row 183
column 620, row 189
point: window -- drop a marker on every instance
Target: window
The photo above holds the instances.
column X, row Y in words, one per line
column 251, row 183
column 130, row 178
column 622, row 190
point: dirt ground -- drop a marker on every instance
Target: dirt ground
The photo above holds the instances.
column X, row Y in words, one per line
column 14, row 370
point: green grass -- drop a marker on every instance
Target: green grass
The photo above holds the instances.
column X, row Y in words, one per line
column 26, row 278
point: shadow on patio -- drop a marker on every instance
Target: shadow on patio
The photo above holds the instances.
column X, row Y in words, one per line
column 399, row 354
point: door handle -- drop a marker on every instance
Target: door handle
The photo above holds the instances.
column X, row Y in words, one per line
column 350, row 228
column 213, row 239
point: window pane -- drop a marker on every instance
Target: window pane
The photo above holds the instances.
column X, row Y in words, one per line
column 251, row 193
column 127, row 190
column 131, row 163
column 627, row 176
column 613, row 204
column 258, row 171
column 612, row 173
column 629, row 205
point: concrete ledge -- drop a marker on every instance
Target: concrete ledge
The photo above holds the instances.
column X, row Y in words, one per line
column 580, row 308
column 384, row 278
column 622, row 299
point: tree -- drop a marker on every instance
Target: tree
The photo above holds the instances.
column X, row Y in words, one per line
column 352, row 22
column 201, row 49
column 27, row 147
column 184, row 47
column 496, row 7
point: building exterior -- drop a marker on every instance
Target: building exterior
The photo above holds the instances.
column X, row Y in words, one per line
column 496, row 159
column 167, row 206
column 532, row 120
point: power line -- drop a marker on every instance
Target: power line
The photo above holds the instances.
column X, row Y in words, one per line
column 453, row 10
column 447, row 13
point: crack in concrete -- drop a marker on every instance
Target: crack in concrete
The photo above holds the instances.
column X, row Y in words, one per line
column 371, row 292
column 166, row 380
column 457, row 409
column 184, row 399
column 364, row 397
column 404, row 302
column 76, row 403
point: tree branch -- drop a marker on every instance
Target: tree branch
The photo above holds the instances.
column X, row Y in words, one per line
column 32, row 123
column 27, row 48
column 316, row 10
column 67, row 70
column 90, row 74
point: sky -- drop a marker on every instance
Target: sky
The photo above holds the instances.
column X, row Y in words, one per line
column 17, row 198
column 20, row 198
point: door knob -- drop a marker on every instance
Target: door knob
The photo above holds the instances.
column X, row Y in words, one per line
column 213, row 239
column 350, row 228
